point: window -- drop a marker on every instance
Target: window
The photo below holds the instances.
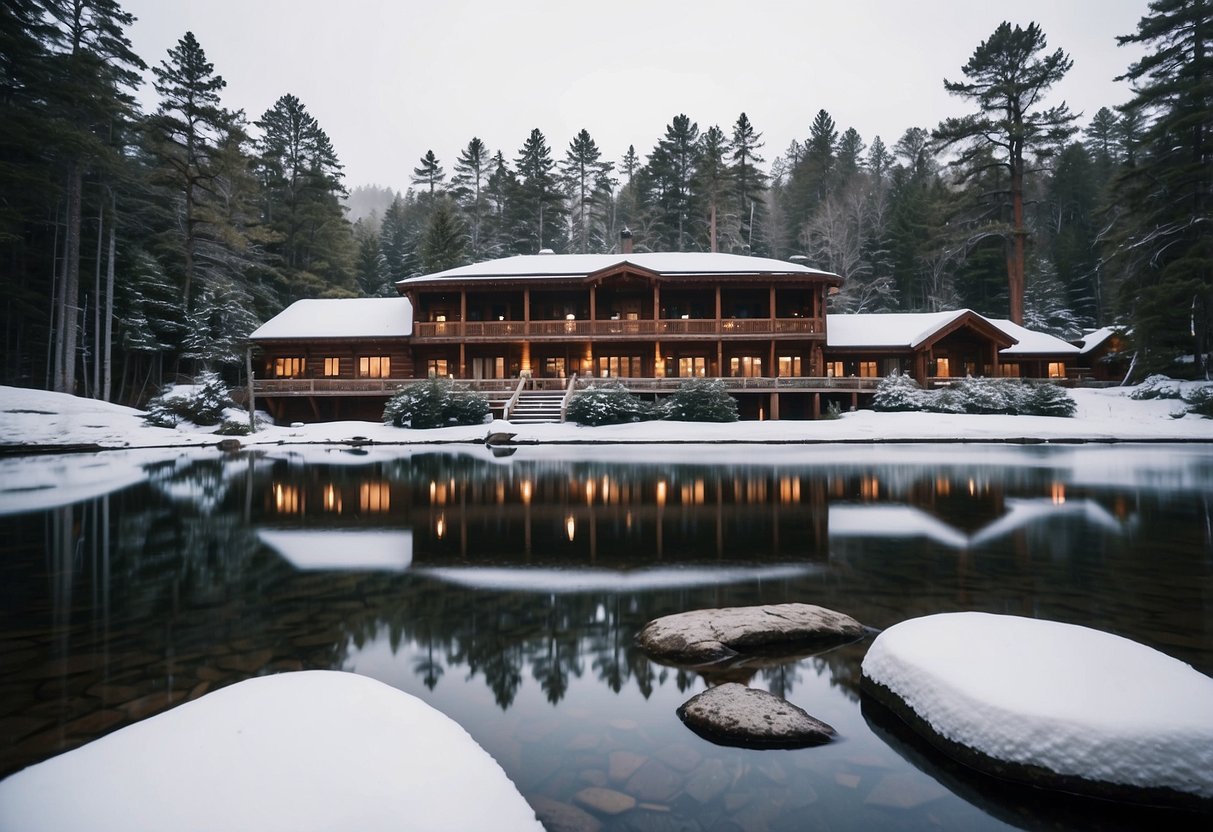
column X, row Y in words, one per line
column 745, row 366
column 695, row 366
column 619, row 366
column 942, row 368
column 374, row 366
column 867, row 369
column 488, row 367
column 438, row 367
column 1008, row 370
column 834, row 369
column 1057, row 369
column 789, row 365
column 553, row 368
column 332, row 367
column 288, row 367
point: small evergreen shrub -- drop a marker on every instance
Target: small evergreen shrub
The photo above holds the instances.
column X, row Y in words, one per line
column 701, row 400
column 202, row 403
column 1048, row 400
column 898, row 392
column 988, row 396
column 833, row 411
column 1200, row 401
column 435, row 403
column 1156, row 387
column 234, row 427
column 609, row 403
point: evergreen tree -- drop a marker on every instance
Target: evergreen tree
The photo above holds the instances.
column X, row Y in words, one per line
column 397, row 242
column 750, row 182
column 1007, row 77
column 184, row 136
column 1069, row 229
column 1164, row 247
column 850, row 155
column 370, row 266
column 537, row 200
column 666, row 185
column 430, row 174
column 713, row 184
column 502, row 185
column 472, row 170
column 582, row 171
column 811, row 176
column 444, row 241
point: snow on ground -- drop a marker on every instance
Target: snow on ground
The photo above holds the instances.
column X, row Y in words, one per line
column 557, row 581
column 1074, row 700
column 36, row 417
column 295, row 751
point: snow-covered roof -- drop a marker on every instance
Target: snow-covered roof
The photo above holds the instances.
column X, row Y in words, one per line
column 1091, row 340
column 1032, row 342
column 669, row 263
column 889, row 330
column 340, row 318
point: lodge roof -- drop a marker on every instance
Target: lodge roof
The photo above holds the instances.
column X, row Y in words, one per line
column 340, row 318
column 665, row 264
column 1096, row 338
column 910, row 330
column 1031, row 342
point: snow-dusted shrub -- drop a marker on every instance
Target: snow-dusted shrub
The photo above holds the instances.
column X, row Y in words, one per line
column 833, row 411
column 946, row 400
column 989, row 395
column 1047, row 400
column 609, row 403
column 234, row 427
column 1156, row 387
column 1200, row 401
column 435, row 403
column 898, row 392
column 701, row 400
column 202, row 403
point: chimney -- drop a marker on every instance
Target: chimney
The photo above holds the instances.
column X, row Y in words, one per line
column 625, row 241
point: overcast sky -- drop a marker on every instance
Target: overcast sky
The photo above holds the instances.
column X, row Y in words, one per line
column 389, row 79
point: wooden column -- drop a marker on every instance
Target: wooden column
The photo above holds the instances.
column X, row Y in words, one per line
column 658, row 361
column 771, row 367
column 772, row 309
column 719, row 343
column 526, row 329
column 593, row 306
column 816, row 405
column 656, row 302
column 775, row 406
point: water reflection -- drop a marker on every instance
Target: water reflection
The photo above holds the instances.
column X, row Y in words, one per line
column 509, row 589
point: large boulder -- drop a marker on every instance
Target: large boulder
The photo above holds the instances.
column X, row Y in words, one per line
column 733, row 714
column 706, row 637
column 1052, row 705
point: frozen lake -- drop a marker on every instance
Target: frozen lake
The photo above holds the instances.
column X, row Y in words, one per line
column 506, row 591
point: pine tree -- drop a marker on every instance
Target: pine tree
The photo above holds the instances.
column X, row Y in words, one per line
column 370, row 266
column 811, row 176
column 750, row 182
column 500, row 190
column 666, row 185
column 1007, row 77
column 429, row 173
column 444, row 241
column 714, row 185
column 581, row 170
column 1164, row 245
column 850, row 155
column 537, row 200
column 397, row 242
column 472, row 170
column 185, row 132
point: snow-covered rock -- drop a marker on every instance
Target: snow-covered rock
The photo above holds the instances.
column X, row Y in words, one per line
column 702, row 637
column 298, row 751
column 733, row 714
column 1051, row 704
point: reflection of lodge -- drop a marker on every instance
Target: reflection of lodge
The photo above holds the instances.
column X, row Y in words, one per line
column 595, row 516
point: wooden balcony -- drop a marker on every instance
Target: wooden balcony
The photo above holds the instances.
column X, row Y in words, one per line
column 612, row 329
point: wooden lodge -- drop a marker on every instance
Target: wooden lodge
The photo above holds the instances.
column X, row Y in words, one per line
column 549, row 322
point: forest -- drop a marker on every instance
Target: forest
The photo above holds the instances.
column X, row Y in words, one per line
column 138, row 247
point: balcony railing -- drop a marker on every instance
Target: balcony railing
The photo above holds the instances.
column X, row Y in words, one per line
column 707, row 327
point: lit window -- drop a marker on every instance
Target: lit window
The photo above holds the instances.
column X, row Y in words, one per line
column 1057, row 369
column 867, row 369
column 834, row 369
column 942, row 368
column 692, row 367
column 374, row 366
column 1009, row 370
column 789, row 365
column 288, row 367
column 374, row 497
column 332, row 367
column 438, row 368
column 745, row 366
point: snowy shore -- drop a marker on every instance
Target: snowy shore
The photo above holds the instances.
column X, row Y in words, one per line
column 40, row 421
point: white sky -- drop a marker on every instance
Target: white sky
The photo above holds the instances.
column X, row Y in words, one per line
column 389, row 79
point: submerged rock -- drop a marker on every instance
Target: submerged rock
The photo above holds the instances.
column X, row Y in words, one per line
column 1051, row 705
column 733, row 714
column 705, row 637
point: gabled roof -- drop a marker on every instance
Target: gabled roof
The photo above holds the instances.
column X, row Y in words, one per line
column 1092, row 340
column 666, row 264
column 1031, row 342
column 902, row 330
column 339, row 318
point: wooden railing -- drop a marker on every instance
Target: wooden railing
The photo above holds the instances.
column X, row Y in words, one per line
column 709, row 327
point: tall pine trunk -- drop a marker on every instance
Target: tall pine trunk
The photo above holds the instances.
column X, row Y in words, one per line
column 107, row 362
column 65, row 358
column 97, row 304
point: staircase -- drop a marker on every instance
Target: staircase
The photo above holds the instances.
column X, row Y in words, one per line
column 536, row 406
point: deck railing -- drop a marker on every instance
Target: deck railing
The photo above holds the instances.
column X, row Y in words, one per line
column 708, row 327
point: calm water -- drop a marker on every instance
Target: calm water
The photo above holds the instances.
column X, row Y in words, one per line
column 506, row 592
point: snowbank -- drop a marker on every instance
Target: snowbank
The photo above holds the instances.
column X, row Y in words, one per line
column 1099, row 713
column 297, row 751
column 39, row 418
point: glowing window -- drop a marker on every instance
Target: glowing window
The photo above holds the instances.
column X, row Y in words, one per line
column 943, row 369
column 745, row 366
column 789, row 365
column 332, row 367
column 374, row 366
column 288, row 367
column 867, row 369
column 1057, row 369
column 834, row 369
